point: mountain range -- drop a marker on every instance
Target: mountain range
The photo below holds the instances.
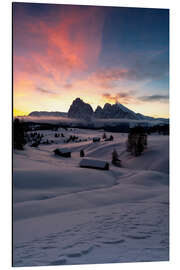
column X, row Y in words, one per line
column 81, row 110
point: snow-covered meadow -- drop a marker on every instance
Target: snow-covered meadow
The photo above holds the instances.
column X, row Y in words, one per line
column 64, row 214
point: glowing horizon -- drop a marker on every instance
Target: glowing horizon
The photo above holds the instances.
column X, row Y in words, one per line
column 100, row 54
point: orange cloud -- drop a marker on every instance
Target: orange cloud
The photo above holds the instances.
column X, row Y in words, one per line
column 122, row 97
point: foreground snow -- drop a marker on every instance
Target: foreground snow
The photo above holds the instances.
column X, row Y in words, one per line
column 64, row 214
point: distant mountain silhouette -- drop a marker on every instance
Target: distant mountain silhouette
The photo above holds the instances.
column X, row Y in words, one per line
column 45, row 113
column 81, row 110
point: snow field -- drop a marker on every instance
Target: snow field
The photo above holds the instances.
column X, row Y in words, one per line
column 64, row 214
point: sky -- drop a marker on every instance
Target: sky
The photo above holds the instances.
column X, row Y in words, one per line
column 100, row 54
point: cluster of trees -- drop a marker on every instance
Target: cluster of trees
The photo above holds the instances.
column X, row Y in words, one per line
column 72, row 138
column 137, row 141
column 35, row 138
column 48, row 141
column 111, row 138
column 19, row 134
column 160, row 129
column 35, row 135
column 56, row 135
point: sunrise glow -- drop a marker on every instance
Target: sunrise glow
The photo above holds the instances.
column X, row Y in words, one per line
column 100, row 54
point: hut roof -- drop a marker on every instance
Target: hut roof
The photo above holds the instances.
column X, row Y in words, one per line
column 64, row 150
column 93, row 163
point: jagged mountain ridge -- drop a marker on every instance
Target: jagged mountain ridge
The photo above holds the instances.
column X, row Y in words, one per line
column 114, row 111
column 81, row 110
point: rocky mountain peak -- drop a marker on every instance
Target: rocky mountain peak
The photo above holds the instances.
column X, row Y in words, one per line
column 80, row 109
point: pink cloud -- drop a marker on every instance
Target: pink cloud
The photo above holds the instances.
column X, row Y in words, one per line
column 106, row 77
column 49, row 53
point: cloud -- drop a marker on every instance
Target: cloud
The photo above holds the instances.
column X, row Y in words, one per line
column 131, row 97
column 69, row 42
column 46, row 91
column 50, row 49
column 121, row 97
column 148, row 67
column 154, row 98
column 68, row 86
column 107, row 77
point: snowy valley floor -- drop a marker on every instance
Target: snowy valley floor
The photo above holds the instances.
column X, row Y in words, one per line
column 64, row 214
